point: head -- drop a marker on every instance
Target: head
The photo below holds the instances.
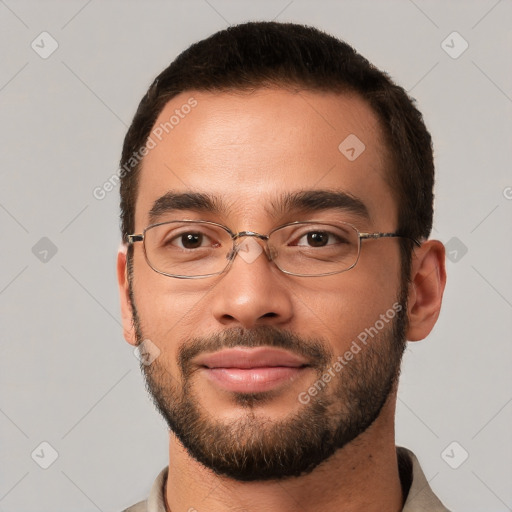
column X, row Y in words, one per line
column 259, row 126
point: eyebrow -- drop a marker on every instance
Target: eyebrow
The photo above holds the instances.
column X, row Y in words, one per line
column 307, row 201
column 310, row 201
column 173, row 201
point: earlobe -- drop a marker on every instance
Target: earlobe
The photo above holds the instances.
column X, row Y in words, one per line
column 124, row 296
column 428, row 279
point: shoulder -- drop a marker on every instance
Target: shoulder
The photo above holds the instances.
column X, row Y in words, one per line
column 138, row 507
column 420, row 496
column 155, row 501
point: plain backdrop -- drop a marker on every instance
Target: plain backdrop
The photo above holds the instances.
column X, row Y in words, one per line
column 68, row 378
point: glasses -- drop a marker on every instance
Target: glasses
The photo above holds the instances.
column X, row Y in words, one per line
column 192, row 249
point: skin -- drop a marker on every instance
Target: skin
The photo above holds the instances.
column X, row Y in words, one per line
column 248, row 149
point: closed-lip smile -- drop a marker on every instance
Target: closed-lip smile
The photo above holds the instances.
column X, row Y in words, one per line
column 251, row 358
column 251, row 369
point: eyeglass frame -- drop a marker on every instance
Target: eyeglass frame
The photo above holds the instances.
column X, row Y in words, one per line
column 134, row 238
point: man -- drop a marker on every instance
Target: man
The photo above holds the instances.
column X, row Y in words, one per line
column 276, row 203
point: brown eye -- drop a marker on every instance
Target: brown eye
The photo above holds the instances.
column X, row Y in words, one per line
column 191, row 240
column 317, row 239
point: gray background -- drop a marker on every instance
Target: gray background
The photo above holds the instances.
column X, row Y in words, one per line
column 67, row 376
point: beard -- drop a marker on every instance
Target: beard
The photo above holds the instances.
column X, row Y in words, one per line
column 255, row 448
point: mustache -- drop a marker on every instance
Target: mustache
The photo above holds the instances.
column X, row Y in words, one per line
column 315, row 350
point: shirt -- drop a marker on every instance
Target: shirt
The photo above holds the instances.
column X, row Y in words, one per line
column 420, row 497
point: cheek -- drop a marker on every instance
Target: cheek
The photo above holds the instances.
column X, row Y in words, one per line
column 344, row 305
column 167, row 308
column 166, row 319
column 164, row 311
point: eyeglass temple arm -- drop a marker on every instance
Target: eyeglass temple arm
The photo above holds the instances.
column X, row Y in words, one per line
column 135, row 238
column 365, row 236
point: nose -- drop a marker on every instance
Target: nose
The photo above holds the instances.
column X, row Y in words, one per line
column 253, row 291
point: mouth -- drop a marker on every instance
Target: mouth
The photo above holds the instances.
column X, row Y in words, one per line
column 252, row 370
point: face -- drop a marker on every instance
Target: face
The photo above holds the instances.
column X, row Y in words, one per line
column 261, row 374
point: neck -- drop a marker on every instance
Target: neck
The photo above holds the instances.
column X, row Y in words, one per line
column 362, row 476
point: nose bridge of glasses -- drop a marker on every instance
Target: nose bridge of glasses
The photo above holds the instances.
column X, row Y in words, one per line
column 241, row 234
column 239, row 245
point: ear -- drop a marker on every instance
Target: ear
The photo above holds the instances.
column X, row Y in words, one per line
column 124, row 296
column 428, row 279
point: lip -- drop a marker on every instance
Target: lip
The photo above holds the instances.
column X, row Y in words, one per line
column 252, row 370
column 261, row 357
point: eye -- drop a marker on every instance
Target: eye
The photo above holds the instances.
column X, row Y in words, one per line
column 319, row 239
column 192, row 240
column 181, row 238
column 186, row 239
column 316, row 239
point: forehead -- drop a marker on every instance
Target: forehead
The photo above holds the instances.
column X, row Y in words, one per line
column 251, row 148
